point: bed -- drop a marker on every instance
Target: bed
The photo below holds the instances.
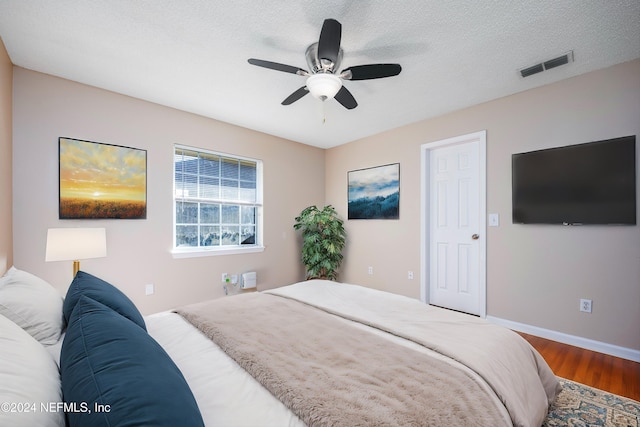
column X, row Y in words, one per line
column 311, row 353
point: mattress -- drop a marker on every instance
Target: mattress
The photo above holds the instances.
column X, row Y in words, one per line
column 227, row 395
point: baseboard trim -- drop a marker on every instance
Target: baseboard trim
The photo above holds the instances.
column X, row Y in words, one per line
column 589, row 344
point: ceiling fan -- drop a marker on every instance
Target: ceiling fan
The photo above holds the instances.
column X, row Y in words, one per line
column 324, row 59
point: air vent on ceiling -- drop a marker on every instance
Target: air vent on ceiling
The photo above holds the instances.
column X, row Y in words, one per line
column 547, row 65
column 529, row 71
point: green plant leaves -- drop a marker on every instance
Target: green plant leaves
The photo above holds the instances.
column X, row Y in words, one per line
column 323, row 238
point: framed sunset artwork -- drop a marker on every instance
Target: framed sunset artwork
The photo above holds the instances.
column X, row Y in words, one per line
column 100, row 181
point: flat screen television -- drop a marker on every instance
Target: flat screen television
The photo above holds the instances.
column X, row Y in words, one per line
column 592, row 183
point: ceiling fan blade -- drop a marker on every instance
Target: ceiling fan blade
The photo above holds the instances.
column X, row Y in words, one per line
column 278, row 67
column 329, row 42
column 296, row 95
column 345, row 98
column 371, row 71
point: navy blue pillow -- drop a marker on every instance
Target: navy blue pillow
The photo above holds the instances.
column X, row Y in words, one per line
column 115, row 374
column 101, row 291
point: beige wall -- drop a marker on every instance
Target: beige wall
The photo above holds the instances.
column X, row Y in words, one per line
column 535, row 274
column 46, row 108
column 6, row 234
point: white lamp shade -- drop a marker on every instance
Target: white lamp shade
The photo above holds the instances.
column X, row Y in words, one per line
column 66, row 244
column 324, row 85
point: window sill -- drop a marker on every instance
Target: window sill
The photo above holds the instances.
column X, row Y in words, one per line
column 202, row 252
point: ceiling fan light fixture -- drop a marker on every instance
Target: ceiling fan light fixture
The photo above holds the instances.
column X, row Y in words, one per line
column 324, row 85
column 324, row 58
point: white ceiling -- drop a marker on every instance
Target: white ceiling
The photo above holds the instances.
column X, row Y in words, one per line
column 192, row 54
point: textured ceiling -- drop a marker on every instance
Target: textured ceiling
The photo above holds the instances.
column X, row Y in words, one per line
column 192, row 54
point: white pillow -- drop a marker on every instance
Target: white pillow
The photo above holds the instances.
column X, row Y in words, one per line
column 29, row 380
column 32, row 304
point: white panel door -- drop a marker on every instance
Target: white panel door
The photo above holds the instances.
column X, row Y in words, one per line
column 454, row 234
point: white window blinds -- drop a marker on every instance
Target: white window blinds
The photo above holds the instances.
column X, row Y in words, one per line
column 217, row 199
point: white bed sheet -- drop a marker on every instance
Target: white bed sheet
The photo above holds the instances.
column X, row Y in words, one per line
column 226, row 394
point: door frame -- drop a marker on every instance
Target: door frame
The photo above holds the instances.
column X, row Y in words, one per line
column 425, row 217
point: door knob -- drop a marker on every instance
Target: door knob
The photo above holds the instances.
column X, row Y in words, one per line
column 475, row 237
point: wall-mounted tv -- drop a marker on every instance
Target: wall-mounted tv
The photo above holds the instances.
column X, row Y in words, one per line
column 592, row 183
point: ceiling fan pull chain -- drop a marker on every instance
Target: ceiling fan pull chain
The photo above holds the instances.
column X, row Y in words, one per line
column 324, row 113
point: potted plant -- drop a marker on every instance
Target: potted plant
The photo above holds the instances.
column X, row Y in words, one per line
column 323, row 238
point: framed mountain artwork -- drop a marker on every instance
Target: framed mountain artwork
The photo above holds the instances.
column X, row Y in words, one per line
column 374, row 193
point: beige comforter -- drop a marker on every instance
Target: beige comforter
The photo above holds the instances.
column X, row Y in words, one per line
column 330, row 373
column 515, row 371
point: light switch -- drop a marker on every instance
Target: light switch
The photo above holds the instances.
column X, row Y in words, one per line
column 494, row 220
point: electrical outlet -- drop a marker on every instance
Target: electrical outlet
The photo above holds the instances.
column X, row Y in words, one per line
column 225, row 278
column 410, row 275
column 370, row 270
column 149, row 289
column 585, row 305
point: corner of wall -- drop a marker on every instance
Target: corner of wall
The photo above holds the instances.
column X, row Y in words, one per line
column 6, row 171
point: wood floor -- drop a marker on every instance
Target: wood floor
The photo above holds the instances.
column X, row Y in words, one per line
column 609, row 373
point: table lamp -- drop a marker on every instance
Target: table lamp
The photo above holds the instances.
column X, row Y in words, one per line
column 66, row 244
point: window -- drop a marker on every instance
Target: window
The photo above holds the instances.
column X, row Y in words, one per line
column 218, row 201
